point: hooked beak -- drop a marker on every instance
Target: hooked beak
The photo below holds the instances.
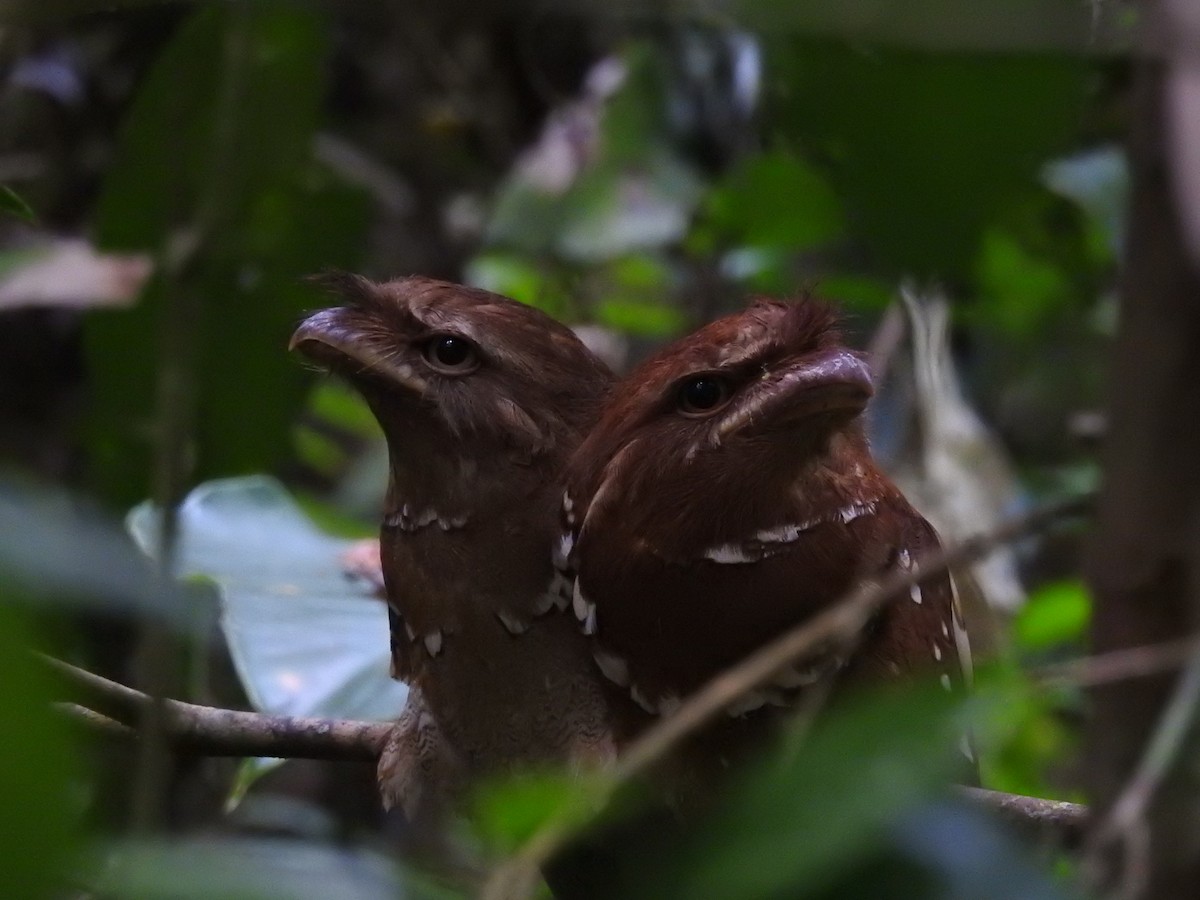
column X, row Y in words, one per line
column 341, row 340
column 834, row 383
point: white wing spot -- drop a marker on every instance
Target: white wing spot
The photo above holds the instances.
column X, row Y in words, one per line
column 589, row 623
column 557, row 595
column 561, row 554
column 640, row 699
column 793, row 678
column 945, row 630
column 915, row 593
column 730, row 554
column 849, row 513
column 511, row 622
column 937, row 653
column 945, row 682
column 746, row 703
column 964, row 745
column 613, row 667
column 433, row 642
column 579, row 603
column 768, row 540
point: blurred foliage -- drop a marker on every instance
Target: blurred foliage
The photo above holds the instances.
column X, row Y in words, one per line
column 39, row 776
column 214, row 176
column 681, row 163
column 12, row 204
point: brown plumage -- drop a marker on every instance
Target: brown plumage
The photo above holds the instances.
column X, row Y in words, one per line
column 728, row 493
column 481, row 400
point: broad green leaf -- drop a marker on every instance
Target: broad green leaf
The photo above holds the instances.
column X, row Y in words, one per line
column 233, row 868
column 306, row 640
column 216, row 155
column 58, row 549
column 229, row 105
column 39, row 815
column 797, row 821
column 924, row 148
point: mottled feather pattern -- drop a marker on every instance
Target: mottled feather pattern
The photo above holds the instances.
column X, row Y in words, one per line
column 476, row 445
column 696, row 539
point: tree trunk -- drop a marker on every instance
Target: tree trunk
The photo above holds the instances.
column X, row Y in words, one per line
column 1144, row 558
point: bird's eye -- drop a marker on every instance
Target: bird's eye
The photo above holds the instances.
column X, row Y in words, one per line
column 450, row 354
column 703, row 394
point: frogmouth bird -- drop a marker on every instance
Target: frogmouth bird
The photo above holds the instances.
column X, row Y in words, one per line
column 728, row 493
column 481, row 399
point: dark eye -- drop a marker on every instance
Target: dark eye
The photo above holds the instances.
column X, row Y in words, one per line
column 703, row 393
column 450, row 354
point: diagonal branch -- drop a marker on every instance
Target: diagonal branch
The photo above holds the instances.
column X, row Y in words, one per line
column 517, row 876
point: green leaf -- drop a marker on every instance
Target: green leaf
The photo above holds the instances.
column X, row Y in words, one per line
column 223, row 868
column 38, row 774
column 508, row 274
column 12, row 204
column 857, row 292
column 924, row 148
column 800, row 819
column 1028, row 735
column 776, row 200
column 305, row 639
column 1021, row 289
column 507, row 813
column 1056, row 614
column 641, row 318
column 60, row 550
column 229, row 105
column 217, row 151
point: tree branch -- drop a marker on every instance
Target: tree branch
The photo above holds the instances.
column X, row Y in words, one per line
column 212, row 731
column 222, row 732
column 517, row 876
column 1055, row 821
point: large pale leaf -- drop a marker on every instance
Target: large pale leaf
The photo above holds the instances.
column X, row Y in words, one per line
column 248, row 868
column 305, row 639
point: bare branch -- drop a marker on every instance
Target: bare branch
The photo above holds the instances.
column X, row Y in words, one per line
column 1055, row 821
column 1119, row 665
column 212, row 731
column 1126, row 825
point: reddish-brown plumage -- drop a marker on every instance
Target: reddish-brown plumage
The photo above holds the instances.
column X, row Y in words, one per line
column 697, row 534
column 481, row 400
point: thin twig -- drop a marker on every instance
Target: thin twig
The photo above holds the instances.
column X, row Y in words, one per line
column 1119, row 665
column 1126, row 825
column 94, row 720
column 839, row 622
column 213, row 731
